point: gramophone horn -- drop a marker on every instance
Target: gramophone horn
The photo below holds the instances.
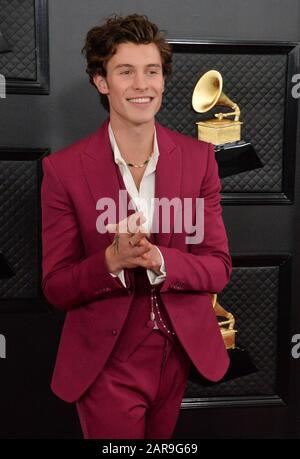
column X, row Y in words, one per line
column 208, row 93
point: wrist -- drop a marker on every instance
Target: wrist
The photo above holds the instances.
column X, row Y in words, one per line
column 111, row 260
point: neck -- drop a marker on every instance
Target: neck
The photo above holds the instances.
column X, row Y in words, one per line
column 135, row 142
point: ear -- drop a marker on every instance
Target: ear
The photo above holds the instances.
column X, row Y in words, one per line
column 101, row 84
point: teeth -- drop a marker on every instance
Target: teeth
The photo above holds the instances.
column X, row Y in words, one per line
column 140, row 100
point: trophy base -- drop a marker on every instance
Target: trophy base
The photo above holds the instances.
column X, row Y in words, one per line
column 217, row 131
column 236, row 157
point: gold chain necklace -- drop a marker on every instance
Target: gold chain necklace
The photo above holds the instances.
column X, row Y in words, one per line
column 140, row 165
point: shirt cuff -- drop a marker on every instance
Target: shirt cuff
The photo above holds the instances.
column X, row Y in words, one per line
column 121, row 276
column 154, row 278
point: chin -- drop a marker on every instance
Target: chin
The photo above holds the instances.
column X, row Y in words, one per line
column 142, row 119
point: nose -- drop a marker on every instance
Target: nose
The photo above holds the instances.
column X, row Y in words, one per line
column 140, row 82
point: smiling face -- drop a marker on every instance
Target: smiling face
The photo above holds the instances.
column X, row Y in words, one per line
column 134, row 83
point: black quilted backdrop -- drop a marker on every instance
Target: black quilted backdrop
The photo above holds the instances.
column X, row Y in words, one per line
column 257, row 82
column 19, row 223
column 252, row 297
column 24, row 24
column 17, row 23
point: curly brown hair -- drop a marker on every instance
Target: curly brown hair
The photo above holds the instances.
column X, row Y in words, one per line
column 101, row 44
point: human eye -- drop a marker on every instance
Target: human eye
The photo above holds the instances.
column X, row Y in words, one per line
column 154, row 71
column 126, row 70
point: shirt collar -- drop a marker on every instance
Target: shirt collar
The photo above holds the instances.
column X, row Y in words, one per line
column 151, row 166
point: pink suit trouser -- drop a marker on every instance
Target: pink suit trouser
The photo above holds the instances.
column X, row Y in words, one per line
column 140, row 397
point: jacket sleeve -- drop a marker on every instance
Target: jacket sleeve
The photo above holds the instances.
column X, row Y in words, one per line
column 69, row 278
column 207, row 265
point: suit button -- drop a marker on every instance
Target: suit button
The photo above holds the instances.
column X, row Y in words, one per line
column 114, row 332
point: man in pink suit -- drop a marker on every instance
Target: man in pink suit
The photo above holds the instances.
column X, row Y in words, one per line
column 137, row 296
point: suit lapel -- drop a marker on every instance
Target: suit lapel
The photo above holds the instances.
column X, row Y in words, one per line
column 102, row 175
column 104, row 179
column 167, row 180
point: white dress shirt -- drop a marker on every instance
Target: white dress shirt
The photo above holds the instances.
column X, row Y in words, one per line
column 141, row 199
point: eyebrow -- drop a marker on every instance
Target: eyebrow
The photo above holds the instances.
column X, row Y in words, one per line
column 131, row 66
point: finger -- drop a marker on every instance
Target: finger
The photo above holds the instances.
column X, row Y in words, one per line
column 134, row 240
column 123, row 224
column 150, row 262
column 147, row 264
column 135, row 221
column 139, row 251
column 139, row 242
column 144, row 242
column 129, row 224
column 146, row 255
column 138, row 236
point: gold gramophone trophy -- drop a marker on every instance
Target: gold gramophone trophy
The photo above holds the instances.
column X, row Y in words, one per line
column 233, row 155
column 226, row 326
column 207, row 94
column 240, row 364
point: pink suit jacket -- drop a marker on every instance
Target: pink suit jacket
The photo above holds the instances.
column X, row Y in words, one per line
column 75, row 276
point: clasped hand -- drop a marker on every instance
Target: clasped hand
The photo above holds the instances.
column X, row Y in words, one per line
column 130, row 247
